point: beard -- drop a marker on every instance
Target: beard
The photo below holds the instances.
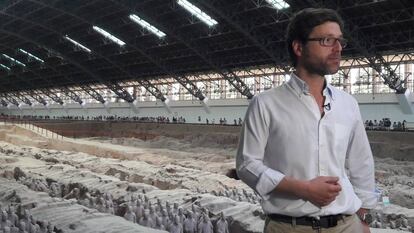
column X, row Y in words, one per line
column 317, row 65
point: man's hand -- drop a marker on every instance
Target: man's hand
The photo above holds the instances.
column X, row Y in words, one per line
column 362, row 212
column 322, row 190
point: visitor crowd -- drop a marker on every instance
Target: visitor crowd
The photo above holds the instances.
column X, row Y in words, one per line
column 385, row 124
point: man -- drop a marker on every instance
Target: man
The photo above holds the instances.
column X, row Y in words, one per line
column 303, row 145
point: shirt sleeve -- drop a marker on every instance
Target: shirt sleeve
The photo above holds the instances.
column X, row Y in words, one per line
column 360, row 164
column 251, row 150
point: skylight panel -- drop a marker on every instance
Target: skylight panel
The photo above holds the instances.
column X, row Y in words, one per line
column 197, row 12
column 146, row 25
column 109, row 36
column 13, row 60
column 31, row 55
column 77, row 44
column 278, row 4
column 5, row 67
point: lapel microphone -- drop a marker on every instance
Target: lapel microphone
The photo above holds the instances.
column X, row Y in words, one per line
column 327, row 106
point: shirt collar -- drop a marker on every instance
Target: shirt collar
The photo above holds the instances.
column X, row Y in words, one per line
column 301, row 87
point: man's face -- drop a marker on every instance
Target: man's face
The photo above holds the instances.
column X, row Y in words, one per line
column 318, row 59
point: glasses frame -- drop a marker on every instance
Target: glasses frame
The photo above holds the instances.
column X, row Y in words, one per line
column 323, row 41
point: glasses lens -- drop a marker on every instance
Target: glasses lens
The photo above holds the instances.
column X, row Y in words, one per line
column 330, row 41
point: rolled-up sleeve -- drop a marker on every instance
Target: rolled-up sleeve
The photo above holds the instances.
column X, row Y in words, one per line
column 251, row 151
column 360, row 164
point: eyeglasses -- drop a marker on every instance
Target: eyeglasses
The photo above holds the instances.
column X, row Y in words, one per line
column 329, row 41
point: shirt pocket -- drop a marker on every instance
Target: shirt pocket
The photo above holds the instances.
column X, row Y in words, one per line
column 341, row 140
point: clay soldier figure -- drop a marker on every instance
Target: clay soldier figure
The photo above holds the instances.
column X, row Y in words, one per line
column 72, row 194
column 158, row 207
column 140, row 197
column 165, row 219
column 175, row 208
column 148, row 206
column 50, row 228
column 108, row 198
column 43, row 227
column 377, row 223
column 204, row 211
column 110, row 208
column 171, row 215
column 133, row 202
column 91, row 202
column 4, row 221
column 12, row 216
column 146, row 201
column 152, row 214
column 254, row 200
column 190, row 224
column 139, row 210
column 84, row 200
column 146, row 220
column 393, row 224
column 41, row 185
column 245, row 193
column 160, row 210
column 6, row 230
column 100, row 205
column 158, row 224
column 26, row 219
column 14, row 229
column 176, row 226
column 33, row 226
column 405, row 225
column 167, row 206
column 205, row 226
column 181, row 215
column 195, row 211
column 235, row 194
column 129, row 215
column 65, row 190
column 221, row 224
column 22, row 227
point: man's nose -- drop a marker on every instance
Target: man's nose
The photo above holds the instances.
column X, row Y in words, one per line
column 337, row 45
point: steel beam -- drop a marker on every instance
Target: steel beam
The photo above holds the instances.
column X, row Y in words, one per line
column 11, row 99
column 111, row 85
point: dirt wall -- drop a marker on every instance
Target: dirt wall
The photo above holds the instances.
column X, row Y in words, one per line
column 132, row 129
column 398, row 145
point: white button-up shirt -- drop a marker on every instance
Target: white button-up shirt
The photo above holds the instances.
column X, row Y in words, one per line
column 284, row 135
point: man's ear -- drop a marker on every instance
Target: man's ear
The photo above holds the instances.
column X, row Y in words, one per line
column 297, row 47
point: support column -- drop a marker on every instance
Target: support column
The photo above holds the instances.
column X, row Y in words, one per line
column 346, row 80
column 376, row 82
column 222, row 89
column 408, row 70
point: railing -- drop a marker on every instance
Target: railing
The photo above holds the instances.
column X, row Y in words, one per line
column 409, row 126
column 30, row 125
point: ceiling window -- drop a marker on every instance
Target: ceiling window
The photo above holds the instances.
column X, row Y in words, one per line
column 197, row 12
